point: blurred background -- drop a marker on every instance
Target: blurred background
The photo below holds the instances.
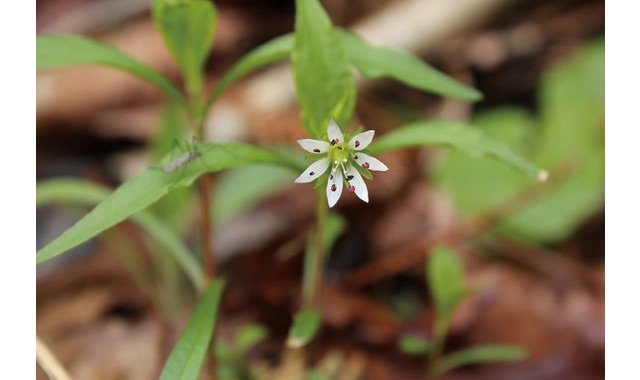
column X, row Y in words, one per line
column 533, row 251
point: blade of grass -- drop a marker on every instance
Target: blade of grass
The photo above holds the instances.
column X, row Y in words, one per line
column 66, row 50
column 148, row 187
column 79, row 192
column 188, row 355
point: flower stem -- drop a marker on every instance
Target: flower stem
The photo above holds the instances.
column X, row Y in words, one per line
column 314, row 259
column 208, row 259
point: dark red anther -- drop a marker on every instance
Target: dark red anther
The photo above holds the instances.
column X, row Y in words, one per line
column 316, row 150
column 349, row 177
column 355, row 157
column 333, row 142
column 352, row 189
column 312, row 173
column 333, row 187
column 357, row 143
column 365, row 165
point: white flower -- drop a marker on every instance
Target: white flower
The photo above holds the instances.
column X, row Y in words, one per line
column 342, row 158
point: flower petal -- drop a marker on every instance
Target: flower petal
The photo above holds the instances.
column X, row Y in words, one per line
column 314, row 146
column 361, row 140
column 369, row 162
column 314, row 171
column 357, row 183
column 333, row 132
column 334, row 187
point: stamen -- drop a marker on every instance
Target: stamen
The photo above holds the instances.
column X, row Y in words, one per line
column 333, row 142
column 355, row 157
column 316, row 150
column 352, row 189
column 365, row 165
column 357, row 143
column 344, row 159
column 312, row 173
column 349, row 177
column 333, row 187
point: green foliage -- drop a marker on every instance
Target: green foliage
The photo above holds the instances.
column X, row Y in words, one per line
column 187, row 356
column 56, row 51
column 78, row 192
column 567, row 139
column 325, row 87
column 377, row 62
column 415, row 346
column 241, row 189
column 481, row 354
column 464, row 138
column 305, row 326
column 374, row 62
column 187, row 27
column 446, row 279
column 232, row 363
column 278, row 49
column 151, row 185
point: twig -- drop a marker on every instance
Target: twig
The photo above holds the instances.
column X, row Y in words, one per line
column 49, row 363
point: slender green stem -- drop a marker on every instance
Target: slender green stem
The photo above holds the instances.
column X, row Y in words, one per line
column 440, row 333
column 314, row 260
column 206, row 194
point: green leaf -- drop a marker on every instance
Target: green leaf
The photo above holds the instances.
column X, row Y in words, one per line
column 241, row 189
column 56, row 51
column 481, row 354
column 187, row 356
column 248, row 336
column 333, row 228
column 275, row 50
column 377, row 62
column 461, row 137
column 187, row 27
column 305, row 326
column 415, row 346
column 446, row 279
column 321, row 70
column 151, row 185
column 568, row 141
column 315, row 374
column 78, row 192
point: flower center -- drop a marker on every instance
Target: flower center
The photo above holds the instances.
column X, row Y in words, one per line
column 340, row 152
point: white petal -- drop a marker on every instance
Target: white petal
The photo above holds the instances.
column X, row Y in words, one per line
column 373, row 163
column 314, row 171
column 362, row 140
column 359, row 187
column 333, row 131
column 335, row 179
column 314, row 146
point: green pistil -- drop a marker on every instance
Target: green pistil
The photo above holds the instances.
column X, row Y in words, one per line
column 339, row 152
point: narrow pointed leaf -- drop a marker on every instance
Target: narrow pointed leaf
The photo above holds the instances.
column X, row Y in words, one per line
column 459, row 136
column 152, row 184
column 377, row 62
column 66, row 50
column 482, row 354
column 321, row 70
column 415, row 346
column 446, row 280
column 187, row 27
column 187, row 357
column 275, row 50
column 78, row 192
column 305, row 326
